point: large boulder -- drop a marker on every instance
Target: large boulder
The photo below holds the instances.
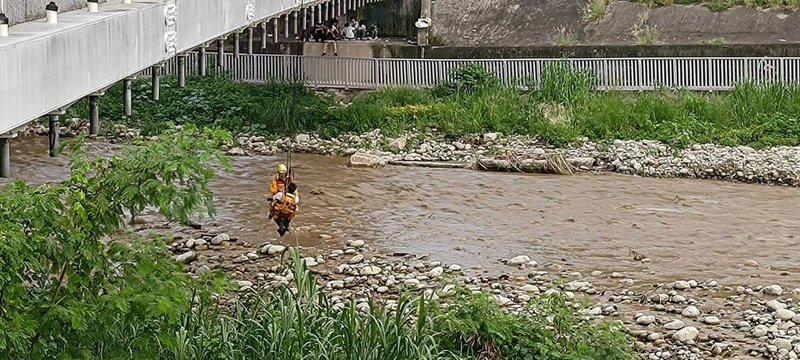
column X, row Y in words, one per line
column 361, row 159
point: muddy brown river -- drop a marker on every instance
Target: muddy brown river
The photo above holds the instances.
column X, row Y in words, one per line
column 691, row 229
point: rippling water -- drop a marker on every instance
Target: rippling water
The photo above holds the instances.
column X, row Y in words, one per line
column 689, row 228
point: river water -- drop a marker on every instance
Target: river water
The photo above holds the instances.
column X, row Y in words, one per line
column 690, row 229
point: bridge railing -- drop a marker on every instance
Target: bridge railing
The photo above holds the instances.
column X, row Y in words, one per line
column 699, row 74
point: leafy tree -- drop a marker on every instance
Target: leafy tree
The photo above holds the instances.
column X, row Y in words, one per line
column 68, row 288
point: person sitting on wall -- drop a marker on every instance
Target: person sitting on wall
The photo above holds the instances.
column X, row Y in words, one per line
column 361, row 30
column 330, row 38
column 349, row 32
column 374, row 32
column 319, row 32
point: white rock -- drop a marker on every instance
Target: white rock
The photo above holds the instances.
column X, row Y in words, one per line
column 356, row 259
column 674, row 325
column 681, row 285
column 220, row 238
column 411, row 282
column 302, row 138
column 336, row 284
column 646, row 320
column 784, row 314
column 519, row 260
column 356, row 243
column 203, row 269
column 760, row 330
column 199, row 242
column 243, row 284
column 782, row 344
column 448, row 290
column 501, row 300
column 577, row 285
column 370, row 270
column 711, row 320
column 685, row 334
column 252, row 256
column 775, row 305
column 325, row 237
column 240, row 259
column 382, row 289
column 772, row 290
column 530, row 288
column 690, row 312
column 186, row 257
column 751, row 263
column 397, row 145
column 454, row 268
column 436, row 272
column 310, row 261
column 360, row 159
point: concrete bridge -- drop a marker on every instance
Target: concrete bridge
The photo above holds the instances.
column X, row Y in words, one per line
column 48, row 64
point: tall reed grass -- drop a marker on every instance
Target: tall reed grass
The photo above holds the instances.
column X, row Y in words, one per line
column 557, row 109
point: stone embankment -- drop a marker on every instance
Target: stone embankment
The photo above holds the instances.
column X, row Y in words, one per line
column 685, row 319
column 776, row 165
column 498, row 152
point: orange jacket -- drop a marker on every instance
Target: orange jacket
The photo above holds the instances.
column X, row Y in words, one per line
column 286, row 207
column 278, row 185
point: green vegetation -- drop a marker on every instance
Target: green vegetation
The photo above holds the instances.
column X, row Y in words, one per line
column 564, row 37
column 721, row 5
column 558, row 109
column 74, row 285
column 597, row 10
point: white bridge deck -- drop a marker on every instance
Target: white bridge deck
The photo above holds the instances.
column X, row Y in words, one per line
column 46, row 67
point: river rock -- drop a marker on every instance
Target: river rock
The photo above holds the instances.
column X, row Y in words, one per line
column 370, row 270
column 646, row 320
column 302, row 138
column 356, row 259
column 529, row 288
column 202, row 269
column 360, row 159
column 356, row 243
column 244, row 284
column 199, row 242
column 237, row 151
column 775, row 305
column 186, row 257
column 490, row 136
column 240, row 259
column 711, row 320
column 782, row 344
column 272, row 249
column 686, row 334
column 760, row 330
column 690, row 312
column 382, row 289
column 784, row 314
column 751, row 263
column 436, row 272
column 519, row 260
column 681, row 285
column 454, row 268
column 674, row 325
column 325, row 237
column 501, row 300
column 220, row 238
column 252, row 256
column 412, row 283
column 772, row 290
column 397, row 145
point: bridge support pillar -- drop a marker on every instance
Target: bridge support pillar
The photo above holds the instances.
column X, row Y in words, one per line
column 5, row 156
column 94, row 114
column 182, row 70
column 286, row 26
column 127, row 96
column 202, row 61
column 155, row 72
column 236, row 46
column 314, row 9
column 264, row 35
column 275, row 30
column 53, row 132
column 250, row 36
column 220, row 55
column 295, row 27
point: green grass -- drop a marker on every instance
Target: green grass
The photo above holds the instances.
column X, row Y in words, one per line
column 560, row 108
column 722, row 5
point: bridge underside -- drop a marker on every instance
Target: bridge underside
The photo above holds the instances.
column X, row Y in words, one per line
column 47, row 65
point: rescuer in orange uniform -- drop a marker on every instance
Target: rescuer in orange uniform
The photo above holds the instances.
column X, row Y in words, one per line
column 279, row 181
column 284, row 207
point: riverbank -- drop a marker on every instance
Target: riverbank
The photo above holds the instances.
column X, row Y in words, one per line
column 685, row 319
column 773, row 165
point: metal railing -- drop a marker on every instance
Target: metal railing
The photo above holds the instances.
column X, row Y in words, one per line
column 699, row 74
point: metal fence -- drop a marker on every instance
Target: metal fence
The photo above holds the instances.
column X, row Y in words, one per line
column 699, row 74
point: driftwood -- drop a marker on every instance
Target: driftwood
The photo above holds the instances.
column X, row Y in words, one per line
column 430, row 164
column 547, row 164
